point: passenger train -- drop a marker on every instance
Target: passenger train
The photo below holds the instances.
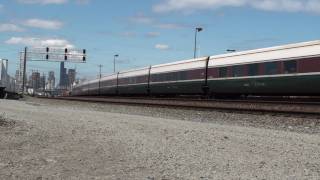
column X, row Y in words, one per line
column 289, row 70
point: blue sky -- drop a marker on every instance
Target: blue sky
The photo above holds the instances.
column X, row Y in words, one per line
column 150, row 32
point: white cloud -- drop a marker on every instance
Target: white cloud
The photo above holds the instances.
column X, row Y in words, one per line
column 43, row 24
column 162, row 46
column 10, row 28
column 169, row 26
column 46, row 2
column 267, row 5
column 153, row 34
column 141, row 19
column 43, row 1
column 82, row 1
column 128, row 34
column 39, row 42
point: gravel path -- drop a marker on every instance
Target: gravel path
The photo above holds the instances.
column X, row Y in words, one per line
column 41, row 139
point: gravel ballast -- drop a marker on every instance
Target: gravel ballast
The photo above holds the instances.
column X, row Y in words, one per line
column 71, row 140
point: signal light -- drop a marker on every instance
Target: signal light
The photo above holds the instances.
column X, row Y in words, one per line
column 47, row 50
column 65, row 54
column 84, row 55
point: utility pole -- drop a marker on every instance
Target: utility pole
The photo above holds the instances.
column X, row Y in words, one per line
column 100, row 76
column 24, row 70
column 100, row 67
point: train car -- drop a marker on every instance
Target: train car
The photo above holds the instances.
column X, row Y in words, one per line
column 81, row 89
column 93, row 87
column 8, row 87
column 108, row 85
column 3, row 74
column 184, row 77
column 134, row 82
column 284, row 70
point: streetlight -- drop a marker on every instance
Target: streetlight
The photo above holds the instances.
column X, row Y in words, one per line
column 231, row 50
column 198, row 29
column 114, row 62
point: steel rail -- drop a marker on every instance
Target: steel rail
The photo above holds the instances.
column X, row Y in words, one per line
column 287, row 107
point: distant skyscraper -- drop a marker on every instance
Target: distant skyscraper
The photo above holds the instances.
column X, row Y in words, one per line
column 17, row 75
column 63, row 76
column 35, row 80
column 42, row 82
column 51, row 81
column 71, row 77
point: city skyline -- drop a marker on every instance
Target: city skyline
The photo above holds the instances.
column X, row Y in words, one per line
column 152, row 32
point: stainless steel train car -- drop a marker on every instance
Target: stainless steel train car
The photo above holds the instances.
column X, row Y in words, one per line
column 289, row 70
column 7, row 83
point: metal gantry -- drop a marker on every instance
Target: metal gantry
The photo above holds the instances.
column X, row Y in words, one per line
column 50, row 54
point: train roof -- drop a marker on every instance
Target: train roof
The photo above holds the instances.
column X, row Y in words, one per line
column 284, row 52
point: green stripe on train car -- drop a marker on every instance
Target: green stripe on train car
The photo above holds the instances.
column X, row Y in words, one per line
column 297, row 85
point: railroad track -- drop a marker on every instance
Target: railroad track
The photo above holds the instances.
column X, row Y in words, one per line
column 283, row 106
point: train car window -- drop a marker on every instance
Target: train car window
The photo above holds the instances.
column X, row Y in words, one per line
column 157, row 77
column 289, row 67
column 183, row 75
column 154, row 78
column 177, row 76
column 237, row 71
column 160, row 77
column 174, row 76
column 253, row 69
column 170, row 76
column 223, row 72
column 270, row 68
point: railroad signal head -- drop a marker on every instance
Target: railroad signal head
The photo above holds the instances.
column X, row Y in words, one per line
column 66, row 50
column 47, row 50
column 84, row 55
